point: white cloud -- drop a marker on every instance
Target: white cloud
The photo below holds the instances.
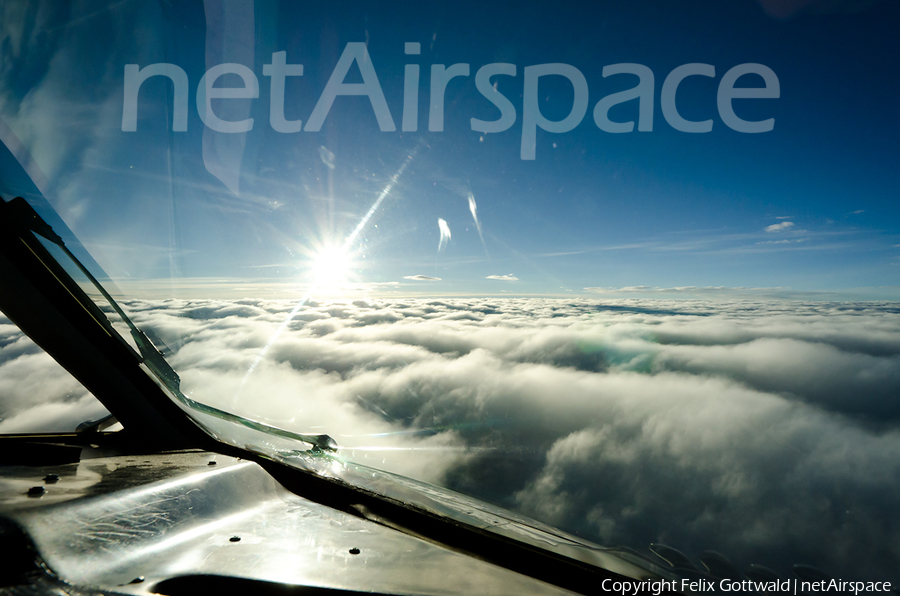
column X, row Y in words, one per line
column 718, row 292
column 36, row 393
column 785, row 241
column 780, row 227
column 421, row 278
column 650, row 289
column 508, row 277
column 752, row 427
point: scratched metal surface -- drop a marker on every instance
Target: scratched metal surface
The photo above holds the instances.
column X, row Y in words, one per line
column 107, row 521
column 440, row 501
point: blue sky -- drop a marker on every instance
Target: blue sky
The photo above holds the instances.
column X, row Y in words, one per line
column 592, row 213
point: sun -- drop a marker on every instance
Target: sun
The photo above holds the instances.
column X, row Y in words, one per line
column 330, row 268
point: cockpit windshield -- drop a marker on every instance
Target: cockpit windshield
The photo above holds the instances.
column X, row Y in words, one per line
column 629, row 268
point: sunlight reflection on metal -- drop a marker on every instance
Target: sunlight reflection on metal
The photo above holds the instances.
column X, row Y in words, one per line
column 210, row 528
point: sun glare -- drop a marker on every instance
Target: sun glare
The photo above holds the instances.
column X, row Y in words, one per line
column 330, row 268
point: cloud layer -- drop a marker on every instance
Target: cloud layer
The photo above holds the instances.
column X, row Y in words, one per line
column 36, row 393
column 764, row 430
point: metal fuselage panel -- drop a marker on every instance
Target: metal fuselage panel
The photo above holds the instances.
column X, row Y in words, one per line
column 110, row 520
